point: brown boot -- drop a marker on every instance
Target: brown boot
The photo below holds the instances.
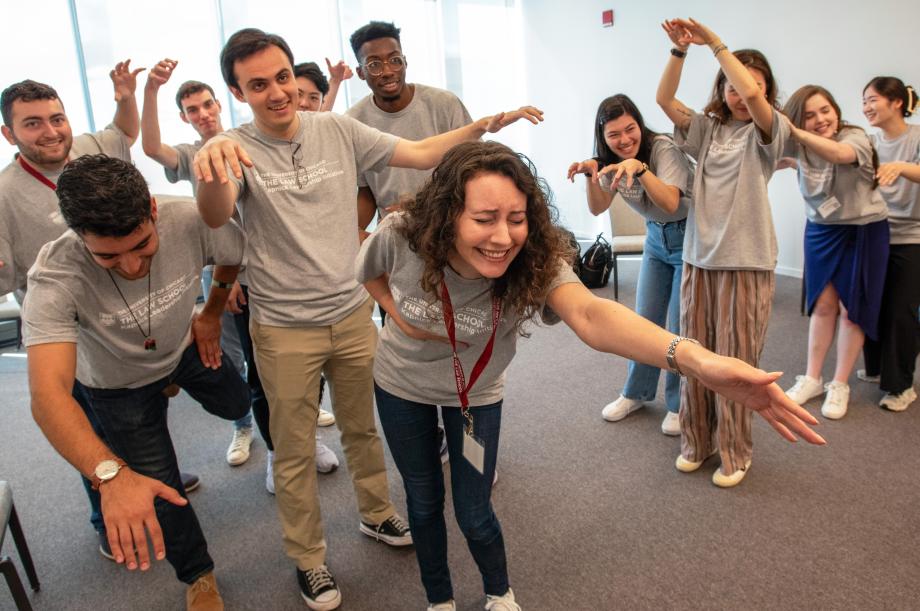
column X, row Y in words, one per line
column 203, row 595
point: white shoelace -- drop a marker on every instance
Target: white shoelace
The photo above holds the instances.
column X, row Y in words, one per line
column 240, row 440
column 319, row 577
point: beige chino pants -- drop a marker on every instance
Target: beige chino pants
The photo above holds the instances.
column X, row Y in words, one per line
column 290, row 360
column 727, row 311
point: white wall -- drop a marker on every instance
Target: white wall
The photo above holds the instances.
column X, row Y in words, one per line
column 572, row 63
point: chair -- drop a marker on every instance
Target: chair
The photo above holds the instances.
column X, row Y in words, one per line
column 11, row 520
column 628, row 230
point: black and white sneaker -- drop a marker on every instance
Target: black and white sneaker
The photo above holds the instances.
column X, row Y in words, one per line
column 318, row 588
column 392, row 531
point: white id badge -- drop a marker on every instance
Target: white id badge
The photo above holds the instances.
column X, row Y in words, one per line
column 474, row 452
column 830, row 206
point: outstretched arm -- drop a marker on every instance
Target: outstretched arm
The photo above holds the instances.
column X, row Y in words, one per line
column 127, row 500
column 739, row 77
column 667, row 87
column 610, row 327
column 835, row 152
column 427, row 153
column 153, row 146
column 598, row 199
column 337, row 73
column 663, row 195
column 890, row 172
column 217, row 194
column 124, row 81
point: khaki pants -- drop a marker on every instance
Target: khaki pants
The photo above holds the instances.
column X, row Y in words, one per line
column 727, row 311
column 290, row 360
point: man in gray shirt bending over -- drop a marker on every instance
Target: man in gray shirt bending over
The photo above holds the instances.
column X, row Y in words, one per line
column 293, row 175
column 111, row 309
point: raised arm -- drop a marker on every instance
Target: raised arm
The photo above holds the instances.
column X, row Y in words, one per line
column 667, row 87
column 739, row 77
column 217, row 194
column 124, row 81
column 610, row 327
column 127, row 499
column 425, row 154
column 337, row 73
column 153, row 146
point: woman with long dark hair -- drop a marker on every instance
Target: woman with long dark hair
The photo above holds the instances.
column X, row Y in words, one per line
column 730, row 248
column 650, row 173
column 846, row 241
column 891, row 361
column 474, row 257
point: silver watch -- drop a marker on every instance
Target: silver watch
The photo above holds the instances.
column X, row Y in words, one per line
column 106, row 471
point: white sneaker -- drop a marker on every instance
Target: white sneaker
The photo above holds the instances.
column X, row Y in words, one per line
column 270, row 472
column 835, row 403
column 805, row 389
column 620, row 408
column 326, row 460
column 505, row 602
column 898, row 403
column 448, row 606
column 671, row 424
column 862, row 375
column 238, row 452
column 325, row 418
column 730, row 481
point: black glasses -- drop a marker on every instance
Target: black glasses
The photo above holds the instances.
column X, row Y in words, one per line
column 375, row 67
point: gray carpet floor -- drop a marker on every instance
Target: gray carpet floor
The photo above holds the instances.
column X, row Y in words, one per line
column 595, row 515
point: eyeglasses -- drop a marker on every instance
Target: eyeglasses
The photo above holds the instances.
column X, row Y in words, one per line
column 375, row 68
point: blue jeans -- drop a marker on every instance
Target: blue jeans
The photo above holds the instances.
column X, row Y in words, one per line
column 230, row 342
column 81, row 396
column 411, row 431
column 658, row 300
column 135, row 427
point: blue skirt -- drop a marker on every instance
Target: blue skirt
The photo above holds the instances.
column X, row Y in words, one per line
column 853, row 258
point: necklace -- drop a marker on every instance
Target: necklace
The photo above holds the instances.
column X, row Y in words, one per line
column 150, row 344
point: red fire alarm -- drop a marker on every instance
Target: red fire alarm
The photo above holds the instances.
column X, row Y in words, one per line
column 607, row 18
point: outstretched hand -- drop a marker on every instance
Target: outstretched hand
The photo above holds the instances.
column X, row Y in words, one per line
column 504, row 119
column 627, row 167
column 339, row 71
column 128, row 510
column 889, row 172
column 588, row 167
column 124, row 80
column 211, row 160
column 757, row 390
column 678, row 35
column 698, row 33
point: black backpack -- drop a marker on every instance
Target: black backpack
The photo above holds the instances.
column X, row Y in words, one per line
column 596, row 264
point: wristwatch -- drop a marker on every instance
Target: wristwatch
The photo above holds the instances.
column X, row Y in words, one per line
column 642, row 171
column 106, row 471
column 672, row 348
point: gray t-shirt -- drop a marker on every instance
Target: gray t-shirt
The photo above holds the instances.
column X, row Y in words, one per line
column 299, row 209
column 184, row 171
column 672, row 167
column 730, row 225
column 432, row 111
column 72, row 299
column 902, row 197
column 840, row 194
column 423, row 371
column 29, row 212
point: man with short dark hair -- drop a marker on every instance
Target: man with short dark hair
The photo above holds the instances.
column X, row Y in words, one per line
column 35, row 122
column 293, row 175
column 111, row 310
column 199, row 108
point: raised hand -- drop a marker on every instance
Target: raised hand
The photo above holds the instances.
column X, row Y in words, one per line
column 627, row 167
column 588, row 167
column 127, row 507
column 678, row 35
column 340, row 71
column 699, row 34
column 757, row 390
column 124, row 80
column 159, row 74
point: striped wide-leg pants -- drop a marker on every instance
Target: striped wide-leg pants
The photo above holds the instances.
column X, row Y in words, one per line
column 727, row 311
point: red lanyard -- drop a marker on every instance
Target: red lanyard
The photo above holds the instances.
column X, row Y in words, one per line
column 463, row 388
column 36, row 174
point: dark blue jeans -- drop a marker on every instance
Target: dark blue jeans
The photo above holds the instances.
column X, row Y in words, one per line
column 95, row 504
column 411, row 433
column 135, row 427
